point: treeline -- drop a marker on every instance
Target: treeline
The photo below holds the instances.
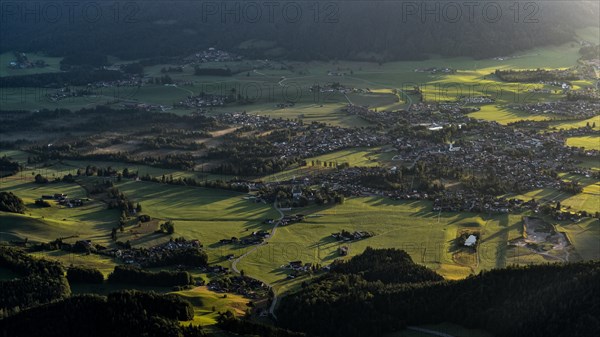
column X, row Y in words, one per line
column 9, row 202
column 21, row 263
column 536, row 75
column 589, row 52
column 59, row 80
column 163, row 278
column 122, row 314
column 102, row 118
column 228, row 322
column 212, row 71
column 543, row 300
column 29, row 291
column 79, row 274
column 41, row 282
column 284, row 194
column 8, row 167
column 234, row 152
column 188, row 257
column 82, row 58
column 220, row 184
column 386, row 265
column 401, row 31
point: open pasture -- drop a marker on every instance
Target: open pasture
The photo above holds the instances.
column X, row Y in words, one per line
column 5, row 59
column 208, row 304
column 355, row 157
column 92, row 221
column 587, row 142
column 410, row 225
column 208, row 215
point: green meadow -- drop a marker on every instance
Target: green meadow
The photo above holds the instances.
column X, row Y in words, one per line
column 577, row 124
column 427, row 236
column 360, row 156
column 199, row 213
column 584, row 236
column 586, row 200
column 587, row 142
column 208, row 304
column 42, row 224
column 267, row 87
column 6, row 58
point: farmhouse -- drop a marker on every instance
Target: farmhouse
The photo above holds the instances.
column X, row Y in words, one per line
column 471, row 240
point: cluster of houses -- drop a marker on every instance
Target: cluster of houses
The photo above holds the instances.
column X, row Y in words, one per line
column 477, row 203
column 256, row 237
column 214, row 55
column 518, row 160
column 573, row 109
column 291, row 219
column 203, row 101
column 436, row 70
column 345, row 235
column 331, row 88
column 241, row 285
column 21, row 61
column 297, row 268
column 63, row 199
column 130, row 80
column 316, row 140
column 66, row 92
column 311, row 139
column 476, row 100
column 153, row 255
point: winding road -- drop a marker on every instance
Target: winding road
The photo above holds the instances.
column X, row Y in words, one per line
column 428, row 331
column 235, row 262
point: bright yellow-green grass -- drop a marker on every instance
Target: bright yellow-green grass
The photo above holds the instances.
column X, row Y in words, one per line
column 208, row 215
column 103, row 263
column 204, row 301
column 505, row 115
column 329, row 113
column 377, row 99
column 587, row 142
column 427, row 236
column 585, row 236
column 360, row 156
column 54, row 169
column 577, row 124
column 92, row 221
column 6, row 58
column 588, row 200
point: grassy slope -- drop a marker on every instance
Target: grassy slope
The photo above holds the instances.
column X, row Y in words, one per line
column 6, row 58
column 205, row 300
column 205, row 214
column 360, row 156
column 587, row 142
column 406, row 225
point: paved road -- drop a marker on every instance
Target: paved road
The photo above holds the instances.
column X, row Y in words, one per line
column 235, row 262
column 431, row 332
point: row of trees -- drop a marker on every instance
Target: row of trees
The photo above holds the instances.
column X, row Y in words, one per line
column 135, row 275
column 9, row 202
column 8, row 167
column 59, row 80
column 122, row 314
column 79, row 274
column 363, row 299
column 41, row 281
